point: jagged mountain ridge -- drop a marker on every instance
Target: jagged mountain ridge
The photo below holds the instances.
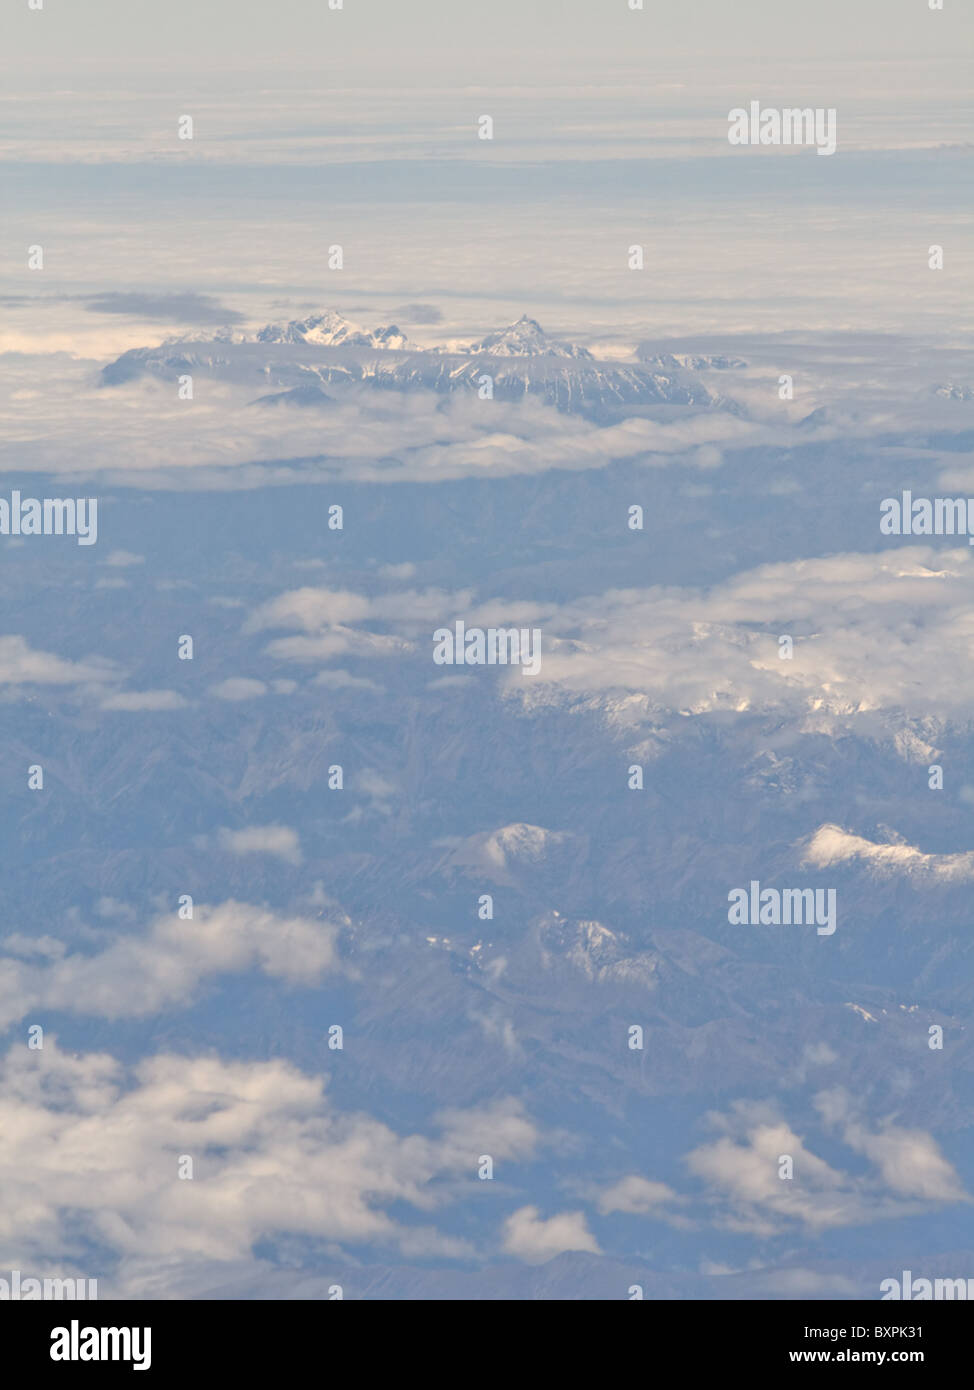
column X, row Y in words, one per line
column 526, row 338
column 301, row 358
column 331, row 329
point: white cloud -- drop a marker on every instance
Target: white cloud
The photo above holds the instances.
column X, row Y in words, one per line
column 20, row 664
column 92, row 678
column 279, row 840
column 90, row 1156
column 131, row 434
column 137, row 975
column 868, row 634
column 533, row 1239
column 742, row 1172
column 337, row 642
column 319, row 610
column 238, row 688
column 908, row 1160
column 309, row 609
column 343, row 680
column 636, row 1196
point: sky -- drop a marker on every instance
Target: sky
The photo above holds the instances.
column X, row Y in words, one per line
column 225, row 33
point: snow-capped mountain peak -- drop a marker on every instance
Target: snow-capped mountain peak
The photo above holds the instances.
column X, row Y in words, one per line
column 332, row 329
column 526, row 338
column 306, row 359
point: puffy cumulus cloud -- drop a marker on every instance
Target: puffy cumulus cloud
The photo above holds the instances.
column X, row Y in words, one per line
column 746, row 1177
column 908, row 1160
column 90, row 1157
column 832, row 845
column 501, row 1128
column 94, row 679
column 323, row 618
column 316, row 610
column 741, row 1172
column 909, row 1163
column 279, row 840
column 636, row 1196
column 21, row 664
column 309, row 610
column 138, row 975
column 531, row 1238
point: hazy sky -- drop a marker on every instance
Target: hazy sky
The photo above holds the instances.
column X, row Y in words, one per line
column 617, row 118
column 379, row 32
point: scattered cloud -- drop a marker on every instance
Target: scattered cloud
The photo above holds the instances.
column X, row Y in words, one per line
column 92, row 1151
column 137, row 701
column 140, row 974
column 636, row 1196
column 750, row 1190
column 21, row 664
column 278, row 840
column 238, row 688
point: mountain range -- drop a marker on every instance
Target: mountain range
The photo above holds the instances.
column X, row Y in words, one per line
column 305, row 360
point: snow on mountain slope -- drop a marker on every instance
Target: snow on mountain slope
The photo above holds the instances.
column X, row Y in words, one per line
column 526, row 338
column 500, row 855
column 331, row 329
column 328, row 350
